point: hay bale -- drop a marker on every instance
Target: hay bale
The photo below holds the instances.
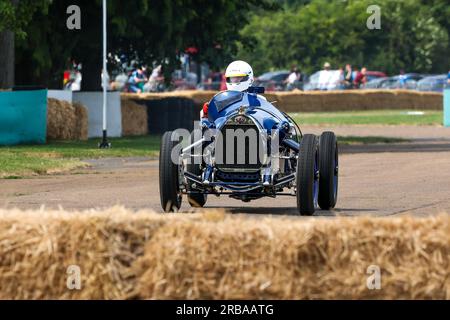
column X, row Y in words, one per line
column 61, row 120
column 36, row 249
column 298, row 259
column 66, row 121
column 300, row 101
column 430, row 101
column 164, row 112
column 124, row 254
column 198, row 96
column 327, row 101
column 416, row 100
column 348, row 100
column 379, row 99
column 81, row 127
column 134, row 118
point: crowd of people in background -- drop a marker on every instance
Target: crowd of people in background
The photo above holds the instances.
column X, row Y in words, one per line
column 344, row 78
column 353, row 78
column 348, row 77
column 139, row 82
column 216, row 81
column 293, row 79
column 140, row 79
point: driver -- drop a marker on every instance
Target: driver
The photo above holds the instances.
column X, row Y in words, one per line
column 239, row 77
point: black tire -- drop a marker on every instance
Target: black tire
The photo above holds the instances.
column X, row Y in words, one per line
column 168, row 176
column 195, row 200
column 307, row 165
column 329, row 164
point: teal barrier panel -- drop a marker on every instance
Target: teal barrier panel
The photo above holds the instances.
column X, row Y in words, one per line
column 447, row 107
column 23, row 117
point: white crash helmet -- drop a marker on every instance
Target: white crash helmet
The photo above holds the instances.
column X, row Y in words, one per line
column 239, row 76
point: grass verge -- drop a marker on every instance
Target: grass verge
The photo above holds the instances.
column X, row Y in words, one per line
column 379, row 117
column 60, row 156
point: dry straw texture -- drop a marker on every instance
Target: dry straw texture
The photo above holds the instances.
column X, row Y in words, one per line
column 81, row 127
column 198, row 96
column 134, row 118
column 212, row 255
column 307, row 259
column 36, row 248
column 66, row 121
column 318, row 101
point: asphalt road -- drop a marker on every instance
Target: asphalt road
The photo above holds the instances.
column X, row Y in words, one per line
column 379, row 180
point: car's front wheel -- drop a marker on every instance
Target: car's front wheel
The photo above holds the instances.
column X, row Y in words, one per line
column 329, row 170
column 308, row 175
column 169, row 188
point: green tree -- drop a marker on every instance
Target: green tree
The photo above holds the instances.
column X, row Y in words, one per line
column 411, row 37
column 14, row 16
column 151, row 30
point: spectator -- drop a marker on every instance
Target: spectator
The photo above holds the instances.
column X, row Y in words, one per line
column 361, row 78
column 156, row 80
column 73, row 77
column 214, row 80
column 137, row 80
column 120, row 83
column 292, row 79
column 402, row 79
column 341, row 75
column 325, row 77
column 348, row 77
column 448, row 79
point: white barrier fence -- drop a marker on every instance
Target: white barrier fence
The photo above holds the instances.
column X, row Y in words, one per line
column 93, row 101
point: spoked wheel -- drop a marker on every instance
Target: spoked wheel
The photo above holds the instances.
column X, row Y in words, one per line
column 329, row 171
column 196, row 200
column 169, row 188
column 308, row 175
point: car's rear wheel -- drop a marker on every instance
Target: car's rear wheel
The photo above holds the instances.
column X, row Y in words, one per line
column 169, row 188
column 329, row 171
column 196, row 200
column 307, row 175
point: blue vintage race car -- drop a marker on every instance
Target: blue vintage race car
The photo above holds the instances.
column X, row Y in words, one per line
column 247, row 149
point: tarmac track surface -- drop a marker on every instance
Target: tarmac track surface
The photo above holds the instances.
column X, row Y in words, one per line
column 377, row 180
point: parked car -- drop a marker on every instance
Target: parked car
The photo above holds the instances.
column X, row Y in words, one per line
column 372, row 75
column 375, row 83
column 410, row 81
column 435, row 83
column 273, row 81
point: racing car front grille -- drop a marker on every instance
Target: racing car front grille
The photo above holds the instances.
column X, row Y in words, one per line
column 241, row 151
